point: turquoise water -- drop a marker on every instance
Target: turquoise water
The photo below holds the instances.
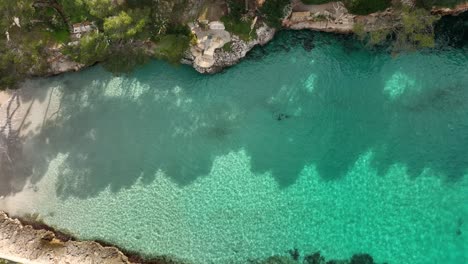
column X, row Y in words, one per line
column 336, row 149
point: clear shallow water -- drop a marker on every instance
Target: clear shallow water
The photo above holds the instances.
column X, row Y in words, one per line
column 336, row 149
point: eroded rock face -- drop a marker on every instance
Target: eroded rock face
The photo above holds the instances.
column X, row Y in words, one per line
column 239, row 49
column 23, row 243
column 457, row 10
column 334, row 17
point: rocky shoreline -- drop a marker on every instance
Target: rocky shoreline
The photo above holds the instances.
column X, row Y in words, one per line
column 25, row 244
column 29, row 242
column 331, row 17
column 32, row 242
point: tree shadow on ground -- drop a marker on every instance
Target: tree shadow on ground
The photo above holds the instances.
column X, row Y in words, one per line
column 115, row 131
column 15, row 169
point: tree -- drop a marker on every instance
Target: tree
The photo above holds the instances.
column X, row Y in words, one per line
column 57, row 7
column 125, row 59
column 126, row 25
column 76, row 10
column 23, row 53
column 92, row 48
column 101, row 8
column 18, row 60
column 10, row 9
column 364, row 7
column 273, row 11
column 416, row 31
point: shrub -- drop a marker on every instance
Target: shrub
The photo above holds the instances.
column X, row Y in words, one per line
column 227, row 47
column 428, row 4
column 237, row 27
column 172, row 47
column 364, row 7
column 273, row 11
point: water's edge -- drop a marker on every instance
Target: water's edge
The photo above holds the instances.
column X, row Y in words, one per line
column 46, row 245
column 32, row 242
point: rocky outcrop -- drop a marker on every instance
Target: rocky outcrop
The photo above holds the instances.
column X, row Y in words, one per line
column 238, row 50
column 330, row 17
column 23, row 243
column 334, row 17
column 457, row 10
column 58, row 63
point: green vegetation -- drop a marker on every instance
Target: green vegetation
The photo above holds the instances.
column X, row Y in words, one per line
column 61, row 35
column 92, row 48
column 238, row 21
column 123, row 28
column 172, row 47
column 76, row 10
column 227, row 47
column 238, row 27
column 428, row 4
column 126, row 25
column 415, row 31
column 274, row 11
column 364, row 7
column 124, row 59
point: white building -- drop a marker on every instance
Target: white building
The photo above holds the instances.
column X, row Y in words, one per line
column 81, row 28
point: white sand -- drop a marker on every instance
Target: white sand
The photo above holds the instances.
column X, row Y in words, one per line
column 34, row 107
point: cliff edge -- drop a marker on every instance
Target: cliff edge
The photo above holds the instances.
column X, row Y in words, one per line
column 23, row 243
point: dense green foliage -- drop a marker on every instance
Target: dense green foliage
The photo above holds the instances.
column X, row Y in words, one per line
column 238, row 27
column 125, row 59
column 273, row 11
column 124, row 27
column 364, row 7
column 92, row 48
column 171, row 47
column 227, row 47
column 415, row 31
column 428, row 4
column 24, row 51
column 238, row 21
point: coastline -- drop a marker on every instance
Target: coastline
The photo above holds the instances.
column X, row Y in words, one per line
column 43, row 238
column 340, row 22
column 28, row 242
column 25, row 244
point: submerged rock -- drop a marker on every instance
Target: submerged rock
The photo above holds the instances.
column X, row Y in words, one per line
column 315, row 258
column 362, row 259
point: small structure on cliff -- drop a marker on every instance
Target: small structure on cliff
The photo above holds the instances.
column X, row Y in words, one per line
column 81, row 28
column 208, row 40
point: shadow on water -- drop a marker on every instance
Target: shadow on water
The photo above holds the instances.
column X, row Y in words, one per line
column 15, row 170
column 180, row 122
